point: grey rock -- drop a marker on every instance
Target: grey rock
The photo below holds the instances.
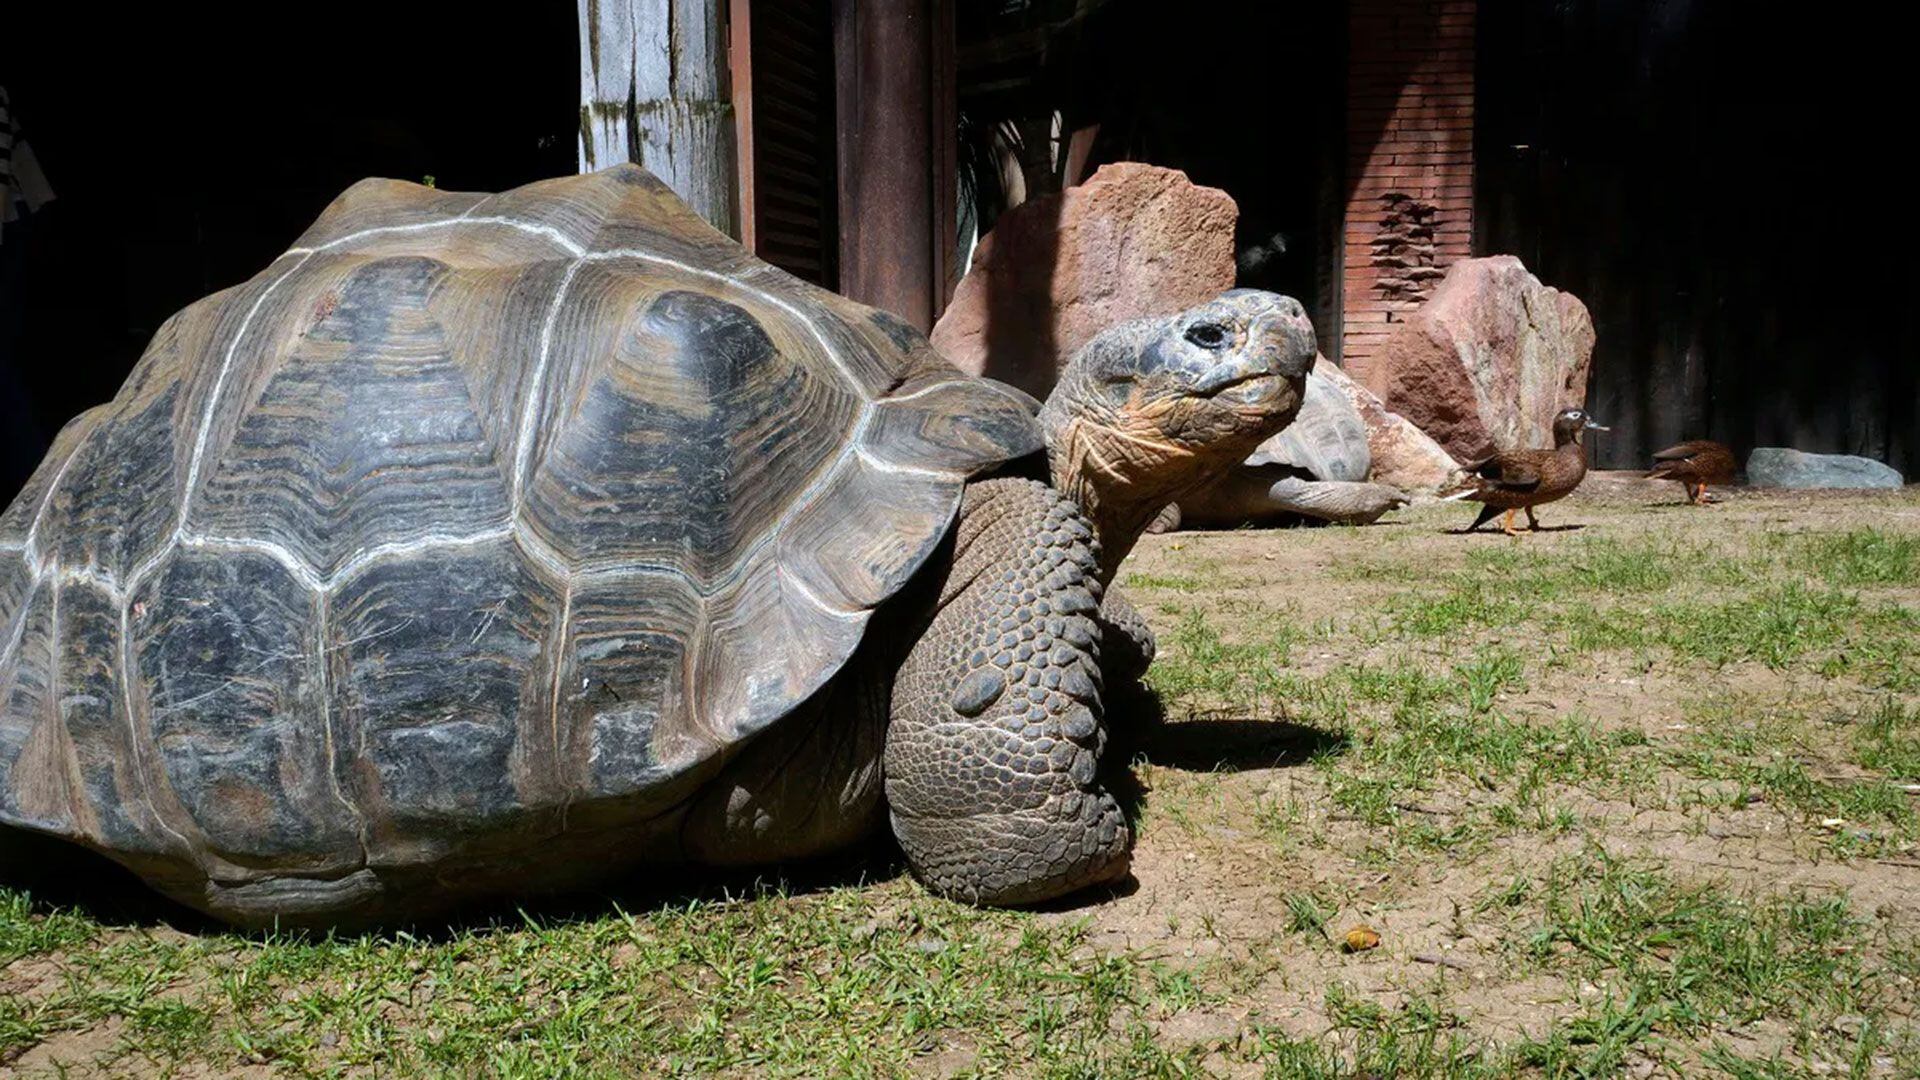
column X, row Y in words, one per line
column 1782, row 467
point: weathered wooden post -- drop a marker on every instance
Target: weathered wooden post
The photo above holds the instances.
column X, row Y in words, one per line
column 653, row 90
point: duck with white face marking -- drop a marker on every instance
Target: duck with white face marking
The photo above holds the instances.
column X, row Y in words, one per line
column 484, row 546
column 1515, row 480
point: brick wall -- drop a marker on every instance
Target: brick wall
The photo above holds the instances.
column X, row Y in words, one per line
column 1409, row 211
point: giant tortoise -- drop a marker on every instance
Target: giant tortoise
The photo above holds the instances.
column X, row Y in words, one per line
column 490, row 544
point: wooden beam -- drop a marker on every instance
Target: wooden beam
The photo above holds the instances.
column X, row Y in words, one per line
column 895, row 102
column 943, row 139
column 740, row 67
column 653, row 91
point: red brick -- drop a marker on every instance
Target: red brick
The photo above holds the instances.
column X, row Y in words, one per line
column 1410, row 123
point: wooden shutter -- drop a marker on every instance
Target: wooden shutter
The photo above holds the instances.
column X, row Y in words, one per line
column 784, row 93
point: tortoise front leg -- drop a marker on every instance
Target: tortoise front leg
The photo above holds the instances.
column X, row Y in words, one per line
column 993, row 751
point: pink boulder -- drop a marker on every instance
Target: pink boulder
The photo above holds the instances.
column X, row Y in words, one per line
column 1133, row 241
column 1486, row 363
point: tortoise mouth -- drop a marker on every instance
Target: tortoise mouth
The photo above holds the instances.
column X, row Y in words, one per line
column 1260, row 392
column 1258, row 389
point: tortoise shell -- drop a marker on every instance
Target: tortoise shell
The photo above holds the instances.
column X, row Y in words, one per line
column 1326, row 441
column 471, row 519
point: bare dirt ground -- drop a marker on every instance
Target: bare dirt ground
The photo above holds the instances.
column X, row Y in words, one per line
column 1630, row 796
column 1215, row 885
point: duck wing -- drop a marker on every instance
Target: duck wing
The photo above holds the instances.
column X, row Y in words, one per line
column 1699, row 459
column 1678, row 451
column 1511, row 471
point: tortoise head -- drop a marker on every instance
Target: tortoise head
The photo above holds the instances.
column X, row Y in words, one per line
column 1153, row 409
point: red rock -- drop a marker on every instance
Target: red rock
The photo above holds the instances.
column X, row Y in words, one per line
column 1133, row 241
column 1488, row 360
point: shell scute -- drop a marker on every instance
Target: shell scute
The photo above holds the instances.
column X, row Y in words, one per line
column 684, row 424
column 362, row 430
column 444, row 690
column 235, row 705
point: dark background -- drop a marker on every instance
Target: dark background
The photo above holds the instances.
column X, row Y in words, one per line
column 1724, row 183
column 1242, row 95
column 1727, row 186
column 189, row 144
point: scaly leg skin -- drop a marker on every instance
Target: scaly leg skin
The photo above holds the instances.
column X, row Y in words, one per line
column 1127, row 647
column 993, row 750
column 809, row 786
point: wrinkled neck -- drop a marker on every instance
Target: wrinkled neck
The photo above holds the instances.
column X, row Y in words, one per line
column 1120, row 481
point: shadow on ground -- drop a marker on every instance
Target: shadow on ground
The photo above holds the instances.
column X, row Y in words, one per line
column 1485, row 531
column 1141, row 729
column 56, row 875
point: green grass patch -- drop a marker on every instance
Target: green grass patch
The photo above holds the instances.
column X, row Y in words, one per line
column 1750, row 753
column 843, row 983
column 1781, row 626
column 1862, row 557
column 1683, row 959
column 1183, row 583
column 25, row 931
column 1196, row 666
column 1888, row 741
column 1507, row 586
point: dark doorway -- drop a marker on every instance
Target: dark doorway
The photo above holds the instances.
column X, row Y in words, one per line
column 1715, row 181
column 187, row 145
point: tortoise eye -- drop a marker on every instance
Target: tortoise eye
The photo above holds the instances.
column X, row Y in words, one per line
column 1207, row 335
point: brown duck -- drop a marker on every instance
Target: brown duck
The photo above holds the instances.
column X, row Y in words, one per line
column 1695, row 464
column 1523, row 479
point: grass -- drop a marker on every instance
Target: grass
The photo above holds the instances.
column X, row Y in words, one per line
column 1676, row 960
column 1201, row 667
column 1862, row 557
column 1888, row 741
column 1776, row 758
column 847, row 982
column 1516, row 760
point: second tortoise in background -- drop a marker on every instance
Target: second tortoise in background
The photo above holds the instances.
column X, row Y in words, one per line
column 1314, row 470
column 1694, row 464
column 1523, row 479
